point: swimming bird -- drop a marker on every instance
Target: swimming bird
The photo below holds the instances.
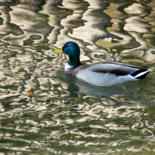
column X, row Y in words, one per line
column 99, row 74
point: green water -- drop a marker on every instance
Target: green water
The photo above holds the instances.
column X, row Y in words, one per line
column 66, row 116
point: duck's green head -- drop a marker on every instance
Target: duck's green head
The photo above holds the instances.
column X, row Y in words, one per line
column 73, row 51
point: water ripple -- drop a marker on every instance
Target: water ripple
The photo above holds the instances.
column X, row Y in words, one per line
column 64, row 115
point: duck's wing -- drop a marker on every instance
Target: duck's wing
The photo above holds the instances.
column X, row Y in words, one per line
column 140, row 73
column 118, row 69
column 106, row 74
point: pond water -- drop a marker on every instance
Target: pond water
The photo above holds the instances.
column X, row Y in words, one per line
column 45, row 111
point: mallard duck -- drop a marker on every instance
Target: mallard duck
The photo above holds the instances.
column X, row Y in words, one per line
column 99, row 74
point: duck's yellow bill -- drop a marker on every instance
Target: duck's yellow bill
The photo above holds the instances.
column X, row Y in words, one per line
column 58, row 50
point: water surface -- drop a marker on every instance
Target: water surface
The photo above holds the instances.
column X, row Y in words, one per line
column 67, row 116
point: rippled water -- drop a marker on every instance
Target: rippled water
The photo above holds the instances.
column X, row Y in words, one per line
column 64, row 115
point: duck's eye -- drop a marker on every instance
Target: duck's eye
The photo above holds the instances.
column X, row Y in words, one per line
column 65, row 47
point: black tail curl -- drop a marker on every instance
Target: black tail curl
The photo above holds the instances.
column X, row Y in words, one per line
column 140, row 74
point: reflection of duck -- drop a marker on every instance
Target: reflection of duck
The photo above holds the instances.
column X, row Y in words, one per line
column 99, row 74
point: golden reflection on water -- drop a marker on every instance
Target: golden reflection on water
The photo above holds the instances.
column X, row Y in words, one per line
column 67, row 116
